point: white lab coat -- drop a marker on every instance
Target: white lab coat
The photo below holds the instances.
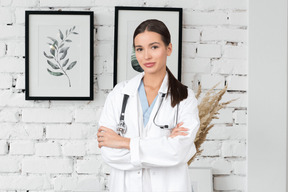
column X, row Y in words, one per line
column 166, row 158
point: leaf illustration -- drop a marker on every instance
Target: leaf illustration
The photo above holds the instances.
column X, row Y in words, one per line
column 54, row 40
column 66, row 32
column 55, row 73
column 68, row 40
column 74, row 27
column 48, row 56
column 64, row 49
column 52, row 50
column 61, row 45
column 71, row 65
column 54, row 66
column 65, row 62
column 61, row 35
column 64, row 55
column 75, row 33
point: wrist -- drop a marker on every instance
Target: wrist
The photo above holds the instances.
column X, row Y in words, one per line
column 125, row 143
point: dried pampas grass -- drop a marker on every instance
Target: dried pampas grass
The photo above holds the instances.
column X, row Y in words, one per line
column 208, row 110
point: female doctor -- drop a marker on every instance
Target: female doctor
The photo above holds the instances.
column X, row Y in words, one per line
column 152, row 154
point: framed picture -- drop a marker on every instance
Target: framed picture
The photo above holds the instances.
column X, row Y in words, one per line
column 59, row 55
column 201, row 179
column 126, row 21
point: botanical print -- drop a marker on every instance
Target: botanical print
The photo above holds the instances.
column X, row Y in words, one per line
column 58, row 52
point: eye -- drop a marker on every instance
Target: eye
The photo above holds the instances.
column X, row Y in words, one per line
column 155, row 47
column 139, row 49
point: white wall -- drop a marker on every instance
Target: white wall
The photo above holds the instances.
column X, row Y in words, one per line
column 214, row 50
column 267, row 96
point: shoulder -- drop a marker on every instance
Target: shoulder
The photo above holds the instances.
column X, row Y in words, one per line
column 191, row 99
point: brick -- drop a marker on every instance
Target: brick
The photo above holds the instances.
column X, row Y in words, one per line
column 40, row 165
column 9, row 115
column 190, row 35
column 235, row 52
column 185, row 3
column 105, row 81
column 19, row 131
column 5, row 81
column 3, row 148
column 222, row 167
column 238, row 18
column 207, row 5
column 232, row 4
column 240, row 167
column 9, row 164
column 221, row 132
column 22, row 148
column 8, row 98
column 80, row 183
column 197, row 65
column 189, row 79
column 12, row 32
column 200, row 18
column 74, row 131
column 225, row 116
column 103, row 16
column 104, row 33
column 99, row 64
column 103, row 49
column 92, row 148
column 24, row 182
column 89, row 166
column 25, row 3
column 189, row 50
column 202, row 162
column 224, row 34
column 16, row 48
column 46, row 115
column 6, row 15
column 87, row 115
column 48, row 149
column 20, row 15
column 231, row 182
column 5, row 2
column 207, row 81
column 237, row 83
column 12, row 64
column 209, row 50
column 233, row 149
column 241, row 99
column 2, row 49
column 66, row 3
column 211, row 148
column 240, row 116
column 74, row 148
column 230, row 66
column 20, row 82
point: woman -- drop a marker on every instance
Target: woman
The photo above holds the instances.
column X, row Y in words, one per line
column 150, row 156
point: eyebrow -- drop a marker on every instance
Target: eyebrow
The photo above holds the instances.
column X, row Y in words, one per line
column 149, row 44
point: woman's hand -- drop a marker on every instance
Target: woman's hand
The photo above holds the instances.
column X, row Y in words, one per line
column 109, row 138
column 178, row 130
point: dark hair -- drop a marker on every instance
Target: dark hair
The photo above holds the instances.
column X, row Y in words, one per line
column 178, row 91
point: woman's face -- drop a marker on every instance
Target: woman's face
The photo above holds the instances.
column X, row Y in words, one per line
column 151, row 52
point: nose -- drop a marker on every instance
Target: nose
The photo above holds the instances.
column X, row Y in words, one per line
column 147, row 54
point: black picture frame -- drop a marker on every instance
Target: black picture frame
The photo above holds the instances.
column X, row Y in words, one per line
column 55, row 42
column 131, row 17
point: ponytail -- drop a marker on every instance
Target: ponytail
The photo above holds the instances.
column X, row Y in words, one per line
column 177, row 90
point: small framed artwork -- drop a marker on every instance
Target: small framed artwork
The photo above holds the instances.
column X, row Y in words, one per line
column 126, row 21
column 201, row 179
column 59, row 55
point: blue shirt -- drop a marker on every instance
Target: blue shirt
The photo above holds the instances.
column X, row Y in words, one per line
column 146, row 109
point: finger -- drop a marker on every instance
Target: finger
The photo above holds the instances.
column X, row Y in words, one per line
column 182, row 129
column 179, row 124
column 102, row 128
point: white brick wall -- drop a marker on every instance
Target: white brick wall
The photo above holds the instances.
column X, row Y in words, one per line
column 51, row 145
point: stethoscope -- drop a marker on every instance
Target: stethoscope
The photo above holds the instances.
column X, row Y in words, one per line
column 122, row 128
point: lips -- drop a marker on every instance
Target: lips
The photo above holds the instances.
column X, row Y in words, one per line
column 149, row 65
